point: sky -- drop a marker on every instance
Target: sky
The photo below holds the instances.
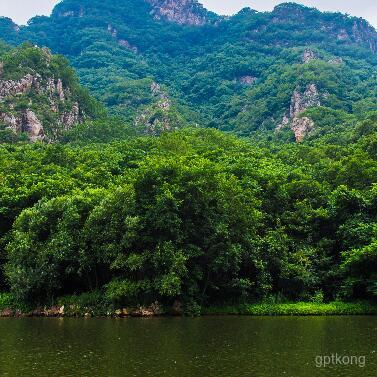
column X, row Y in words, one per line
column 22, row 10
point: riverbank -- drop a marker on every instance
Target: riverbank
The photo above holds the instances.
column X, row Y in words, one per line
column 296, row 309
column 75, row 306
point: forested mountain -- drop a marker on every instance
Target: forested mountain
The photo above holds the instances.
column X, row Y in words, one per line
column 253, row 71
column 147, row 202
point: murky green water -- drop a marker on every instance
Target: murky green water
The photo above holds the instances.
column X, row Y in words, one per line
column 183, row 347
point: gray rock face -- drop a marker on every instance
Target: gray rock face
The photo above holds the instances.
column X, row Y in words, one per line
column 302, row 127
column 27, row 120
column 124, row 43
column 247, row 80
column 69, row 118
column 301, row 101
column 363, row 32
column 59, row 90
column 13, row 88
column 13, row 123
column 154, row 118
column 343, row 35
column 183, row 12
column 32, row 126
column 335, row 61
column 308, row 56
column 163, row 101
column 121, row 42
column 71, row 12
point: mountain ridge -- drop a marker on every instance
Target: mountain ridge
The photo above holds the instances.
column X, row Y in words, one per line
column 215, row 69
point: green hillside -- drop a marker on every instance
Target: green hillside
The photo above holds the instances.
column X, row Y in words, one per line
column 239, row 73
column 238, row 163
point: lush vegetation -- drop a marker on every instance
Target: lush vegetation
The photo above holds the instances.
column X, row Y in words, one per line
column 194, row 215
column 119, row 50
column 107, row 217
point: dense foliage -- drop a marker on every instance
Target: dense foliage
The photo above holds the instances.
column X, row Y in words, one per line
column 196, row 214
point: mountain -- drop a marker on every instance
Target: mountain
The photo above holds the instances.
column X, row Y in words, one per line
column 113, row 212
column 253, row 72
column 40, row 96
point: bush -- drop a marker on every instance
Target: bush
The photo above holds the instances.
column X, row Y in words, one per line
column 6, row 301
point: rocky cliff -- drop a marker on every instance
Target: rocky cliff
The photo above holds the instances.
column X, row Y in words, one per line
column 183, row 12
column 160, row 116
column 36, row 100
column 301, row 100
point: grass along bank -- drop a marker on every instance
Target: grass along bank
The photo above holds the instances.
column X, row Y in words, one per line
column 296, row 309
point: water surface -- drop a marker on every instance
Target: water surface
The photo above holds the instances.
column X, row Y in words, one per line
column 186, row 347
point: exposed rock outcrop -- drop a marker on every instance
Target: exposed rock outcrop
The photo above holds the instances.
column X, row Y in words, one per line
column 184, row 12
column 69, row 118
column 163, row 101
column 289, row 11
column 363, row 32
column 301, row 101
column 6, row 313
column 124, row 43
column 308, row 56
column 55, row 311
column 16, row 87
column 26, row 121
column 335, row 61
column 247, row 80
column 153, row 310
column 113, row 32
column 32, row 125
column 301, row 127
column 121, row 42
column 69, row 13
column 157, row 117
column 60, row 90
column 342, row 35
column 37, row 103
column 62, row 11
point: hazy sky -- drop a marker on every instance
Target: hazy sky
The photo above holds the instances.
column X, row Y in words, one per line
column 21, row 10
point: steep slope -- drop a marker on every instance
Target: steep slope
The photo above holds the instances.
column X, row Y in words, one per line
column 39, row 95
column 247, row 73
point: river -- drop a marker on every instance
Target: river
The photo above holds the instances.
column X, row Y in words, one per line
column 189, row 347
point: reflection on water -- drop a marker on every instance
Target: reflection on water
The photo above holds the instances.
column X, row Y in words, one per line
column 186, row 347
